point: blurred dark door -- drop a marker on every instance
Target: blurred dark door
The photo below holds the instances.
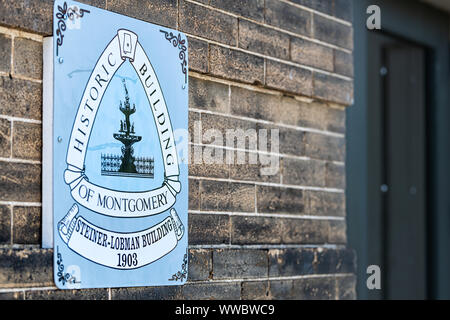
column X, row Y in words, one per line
column 402, row 221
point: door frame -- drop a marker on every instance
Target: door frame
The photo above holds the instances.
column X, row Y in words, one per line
column 429, row 27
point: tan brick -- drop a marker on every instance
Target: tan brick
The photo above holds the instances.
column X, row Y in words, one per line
column 288, row 78
column 242, row 197
column 5, row 224
column 227, row 196
column 20, row 98
column 335, row 175
column 5, row 138
column 5, row 53
column 323, row 203
column 198, row 55
column 207, row 23
column 324, row 147
column 28, row 58
column 303, row 172
column 212, row 164
column 280, row 200
column 311, row 54
column 208, row 95
column 337, row 233
column 265, row 230
column 20, row 182
column 236, row 65
column 256, row 38
column 27, row 140
column 288, row 17
column 333, row 88
column 163, row 12
column 27, row 225
column 343, row 63
column 255, row 290
column 253, row 167
column 254, row 104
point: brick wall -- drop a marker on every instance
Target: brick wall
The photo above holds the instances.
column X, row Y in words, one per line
column 260, row 64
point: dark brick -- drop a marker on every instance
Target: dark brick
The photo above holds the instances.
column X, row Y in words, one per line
column 207, row 23
column 85, row 294
column 333, row 88
column 343, row 63
column 209, row 229
column 236, row 65
column 346, row 287
column 253, row 9
column 27, row 225
column 330, row 261
column 255, row 290
column 337, row 232
column 288, row 78
column 198, row 55
column 279, row 200
column 333, row 32
column 193, row 121
column 335, row 176
column 28, row 58
column 290, row 262
column 324, row 147
column 323, row 203
column 343, row 9
column 254, row 167
column 321, row 288
column 303, row 172
column 5, row 53
column 208, row 95
column 242, row 197
column 30, row 15
column 5, row 224
column 20, row 182
column 200, row 264
column 20, row 98
column 5, row 138
column 26, row 267
column 264, row 230
column 254, row 37
column 325, row 6
column 230, row 264
column 311, row 54
column 146, row 293
column 194, row 194
column 210, row 291
column 16, row 295
column 211, row 164
column 288, row 17
column 27, row 140
column 162, row 12
column 335, row 120
column 290, row 141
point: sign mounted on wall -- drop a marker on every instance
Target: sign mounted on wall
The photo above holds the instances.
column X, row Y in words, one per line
column 120, row 189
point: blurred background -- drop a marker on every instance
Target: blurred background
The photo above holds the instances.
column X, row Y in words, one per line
column 398, row 149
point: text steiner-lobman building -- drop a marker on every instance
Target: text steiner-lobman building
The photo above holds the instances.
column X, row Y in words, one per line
column 266, row 213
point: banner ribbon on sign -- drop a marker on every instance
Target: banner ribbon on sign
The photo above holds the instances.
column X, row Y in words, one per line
column 115, row 203
column 116, row 250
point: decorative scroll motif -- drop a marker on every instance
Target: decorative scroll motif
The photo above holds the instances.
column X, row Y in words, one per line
column 180, row 275
column 63, row 277
column 181, row 44
column 65, row 13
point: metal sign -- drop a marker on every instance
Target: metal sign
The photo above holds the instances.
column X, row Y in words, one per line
column 120, row 189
